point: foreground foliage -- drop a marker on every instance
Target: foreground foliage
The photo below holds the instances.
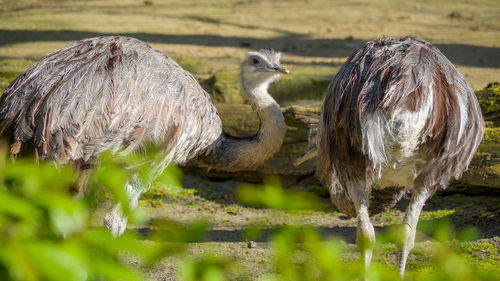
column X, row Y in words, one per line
column 45, row 234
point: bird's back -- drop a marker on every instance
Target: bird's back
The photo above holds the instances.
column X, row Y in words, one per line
column 398, row 113
column 107, row 93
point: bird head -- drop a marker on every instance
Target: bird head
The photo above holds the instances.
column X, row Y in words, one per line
column 262, row 67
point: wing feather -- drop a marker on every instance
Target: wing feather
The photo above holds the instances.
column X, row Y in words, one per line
column 366, row 104
column 109, row 93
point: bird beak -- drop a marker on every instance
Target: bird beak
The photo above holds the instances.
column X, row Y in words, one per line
column 281, row 70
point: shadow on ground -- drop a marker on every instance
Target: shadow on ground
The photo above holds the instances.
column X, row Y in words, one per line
column 464, row 208
column 346, row 234
column 478, row 56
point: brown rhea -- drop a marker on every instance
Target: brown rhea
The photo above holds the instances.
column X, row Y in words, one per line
column 117, row 94
column 398, row 117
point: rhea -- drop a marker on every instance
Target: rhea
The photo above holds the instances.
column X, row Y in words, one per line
column 398, row 117
column 117, row 94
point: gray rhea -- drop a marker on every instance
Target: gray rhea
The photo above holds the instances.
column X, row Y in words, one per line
column 398, row 117
column 117, row 94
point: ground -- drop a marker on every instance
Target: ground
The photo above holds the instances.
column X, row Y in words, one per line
column 316, row 36
column 218, row 32
column 214, row 201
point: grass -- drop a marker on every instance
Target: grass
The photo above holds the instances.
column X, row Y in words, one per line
column 489, row 99
column 219, row 32
column 481, row 253
column 305, row 83
column 438, row 214
column 209, row 38
column 492, row 135
column 193, row 66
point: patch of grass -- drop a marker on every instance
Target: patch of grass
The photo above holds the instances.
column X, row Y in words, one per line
column 232, row 210
column 483, row 254
column 305, row 83
column 391, row 216
column 160, row 192
column 225, row 87
column 489, row 100
column 9, row 5
column 155, row 203
column 492, row 135
column 485, row 214
column 298, row 88
column 420, row 260
column 6, row 78
column 191, row 65
column 438, row 214
column 480, row 249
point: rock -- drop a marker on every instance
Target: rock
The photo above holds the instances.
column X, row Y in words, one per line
column 251, row 244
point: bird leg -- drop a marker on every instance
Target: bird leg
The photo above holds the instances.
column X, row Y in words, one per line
column 365, row 234
column 81, row 186
column 115, row 220
column 407, row 241
column 85, row 170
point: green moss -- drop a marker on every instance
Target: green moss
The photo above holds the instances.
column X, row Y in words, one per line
column 192, row 65
column 492, row 135
column 391, row 216
column 483, row 254
column 489, row 100
column 231, row 210
column 480, row 249
column 438, row 214
column 225, row 87
column 18, row 65
column 6, row 78
column 299, row 88
column 305, row 83
column 155, row 203
column 318, row 190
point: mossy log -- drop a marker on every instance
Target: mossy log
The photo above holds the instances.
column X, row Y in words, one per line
column 240, row 120
column 224, row 87
column 489, row 100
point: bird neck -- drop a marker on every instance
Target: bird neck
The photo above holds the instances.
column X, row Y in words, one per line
column 236, row 153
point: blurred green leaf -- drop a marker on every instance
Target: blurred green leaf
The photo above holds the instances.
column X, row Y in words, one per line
column 53, row 262
column 272, row 195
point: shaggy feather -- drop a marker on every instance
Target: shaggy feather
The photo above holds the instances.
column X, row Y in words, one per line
column 117, row 93
column 108, row 93
column 397, row 109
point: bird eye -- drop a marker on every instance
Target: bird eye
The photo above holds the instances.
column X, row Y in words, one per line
column 255, row 61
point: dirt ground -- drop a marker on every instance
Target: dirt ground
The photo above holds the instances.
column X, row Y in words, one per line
column 312, row 34
column 218, row 32
column 214, row 201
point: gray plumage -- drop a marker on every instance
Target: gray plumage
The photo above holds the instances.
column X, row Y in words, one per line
column 117, row 93
column 397, row 117
column 114, row 93
column 108, row 93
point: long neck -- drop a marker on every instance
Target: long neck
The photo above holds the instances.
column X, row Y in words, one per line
column 235, row 153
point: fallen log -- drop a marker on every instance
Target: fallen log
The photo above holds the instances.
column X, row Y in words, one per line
column 240, row 120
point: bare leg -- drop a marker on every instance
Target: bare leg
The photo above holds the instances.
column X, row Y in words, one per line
column 81, row 186
column 365, row 235
column 407, row 241
column 115, row 220
column 85, row 171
